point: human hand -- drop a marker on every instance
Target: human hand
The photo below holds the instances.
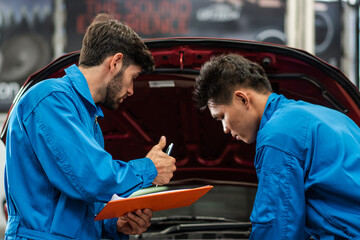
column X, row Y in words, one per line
column 135, row 222
column 165, row 164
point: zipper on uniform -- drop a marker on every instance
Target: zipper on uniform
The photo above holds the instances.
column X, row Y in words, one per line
column 95, row 123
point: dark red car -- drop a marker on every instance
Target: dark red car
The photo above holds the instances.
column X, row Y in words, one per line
column 163, row 105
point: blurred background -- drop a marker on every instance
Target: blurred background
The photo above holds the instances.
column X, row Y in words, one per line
column 33, row 33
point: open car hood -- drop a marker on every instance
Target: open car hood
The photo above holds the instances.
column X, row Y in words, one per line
column 163, row 105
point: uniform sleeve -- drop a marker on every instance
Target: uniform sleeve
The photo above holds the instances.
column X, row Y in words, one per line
column 73, row 160
column 109, row 230
column 279, row 208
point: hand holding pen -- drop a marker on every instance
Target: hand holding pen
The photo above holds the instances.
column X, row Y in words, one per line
column 168, row 151
column 165, row 164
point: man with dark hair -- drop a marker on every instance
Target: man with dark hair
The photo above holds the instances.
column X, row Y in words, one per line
column 307, row 156
column 58, row 175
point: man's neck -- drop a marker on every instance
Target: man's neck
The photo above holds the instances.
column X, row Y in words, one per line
column 95, row 77
column 260, row 103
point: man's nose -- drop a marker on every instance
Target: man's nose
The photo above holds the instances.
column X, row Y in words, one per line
column 226, row 130
column 130, row 91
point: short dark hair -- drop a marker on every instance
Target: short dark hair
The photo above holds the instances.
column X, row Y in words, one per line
column 220, row 76
column 106, row 36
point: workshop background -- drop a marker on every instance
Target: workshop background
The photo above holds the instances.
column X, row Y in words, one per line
column 33, row 33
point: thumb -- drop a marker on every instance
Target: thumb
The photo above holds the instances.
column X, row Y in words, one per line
column 162, row 142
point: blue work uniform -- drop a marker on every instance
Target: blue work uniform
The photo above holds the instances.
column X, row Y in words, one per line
column 58, row 175
column 308, row 167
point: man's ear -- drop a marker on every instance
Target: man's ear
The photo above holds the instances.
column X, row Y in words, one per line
column 116, row 62
column 241, row 97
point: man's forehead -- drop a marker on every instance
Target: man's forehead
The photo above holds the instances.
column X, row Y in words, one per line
column 134, row 69
column 214, row 104
column 214, row 107
column 211, row 105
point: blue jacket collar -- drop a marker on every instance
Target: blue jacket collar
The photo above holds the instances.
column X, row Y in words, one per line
column 271, row 106
column 80, row 84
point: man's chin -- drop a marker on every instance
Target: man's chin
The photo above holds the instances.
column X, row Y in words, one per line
column 113, row 106
column 246, row 140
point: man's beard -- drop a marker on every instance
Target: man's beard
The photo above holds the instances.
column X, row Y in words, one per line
column 112, row 90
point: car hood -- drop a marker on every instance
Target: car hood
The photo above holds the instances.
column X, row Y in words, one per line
column 163, row 105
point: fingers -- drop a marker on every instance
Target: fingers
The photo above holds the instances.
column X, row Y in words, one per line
column 165, row 168
column 157, row 150
column 139, row 220
column 148, row 212
column 162, row 142
column 135, row 222
column 164, row 164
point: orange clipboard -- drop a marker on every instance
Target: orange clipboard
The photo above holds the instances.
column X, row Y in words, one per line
column 154, row 201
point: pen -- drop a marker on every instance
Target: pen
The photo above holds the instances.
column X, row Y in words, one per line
column 168, row 151
column 170, row 147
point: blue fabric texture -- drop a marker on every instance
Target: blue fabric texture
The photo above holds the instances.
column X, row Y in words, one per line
column 308, row 167
column 58, row 175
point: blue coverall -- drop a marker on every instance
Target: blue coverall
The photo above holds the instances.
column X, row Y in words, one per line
column 58, row 174
column 308, row 166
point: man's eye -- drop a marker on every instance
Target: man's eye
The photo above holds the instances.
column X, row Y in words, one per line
column 135, row 77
